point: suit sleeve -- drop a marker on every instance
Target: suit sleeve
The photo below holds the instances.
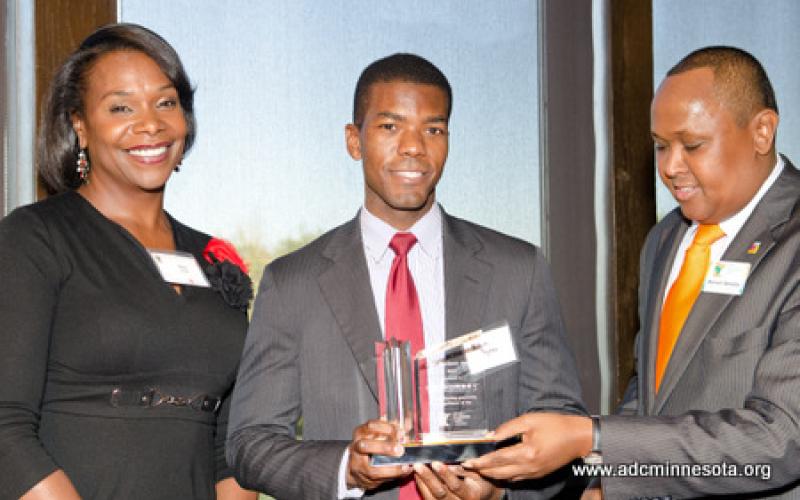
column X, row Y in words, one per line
column 548, row 375
column 29, row 284
column 262, row 447
column 548, row 378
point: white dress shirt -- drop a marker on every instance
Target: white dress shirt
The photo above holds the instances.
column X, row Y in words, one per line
column 731, row 226
column 426, row 264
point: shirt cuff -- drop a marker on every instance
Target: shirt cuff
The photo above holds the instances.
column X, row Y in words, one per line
column 343, row 492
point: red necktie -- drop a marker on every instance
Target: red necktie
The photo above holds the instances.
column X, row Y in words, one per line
column 404, row 322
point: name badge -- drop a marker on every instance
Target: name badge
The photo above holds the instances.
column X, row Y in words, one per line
column 491, row 349
column 727, row 277
column 179, row 268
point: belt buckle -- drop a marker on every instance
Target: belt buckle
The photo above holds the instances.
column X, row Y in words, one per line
column 152, row 397
column 159, row 398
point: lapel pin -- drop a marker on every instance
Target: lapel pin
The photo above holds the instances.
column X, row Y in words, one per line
column 754, row 248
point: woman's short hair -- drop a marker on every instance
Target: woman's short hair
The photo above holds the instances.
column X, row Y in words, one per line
column 57, row 143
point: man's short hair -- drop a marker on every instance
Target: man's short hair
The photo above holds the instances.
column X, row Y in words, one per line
column 740, row 82
column 409, row 68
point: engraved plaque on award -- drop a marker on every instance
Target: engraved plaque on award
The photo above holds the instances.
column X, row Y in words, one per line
column 438, row 395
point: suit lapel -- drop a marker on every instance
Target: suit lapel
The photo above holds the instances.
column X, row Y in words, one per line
column 346, row 287
column 467, row 282
column 771, row 213
column 467, row 279
column 662, row 264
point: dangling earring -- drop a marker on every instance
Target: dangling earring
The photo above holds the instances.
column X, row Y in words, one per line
column 83, row 166
column 178, row 166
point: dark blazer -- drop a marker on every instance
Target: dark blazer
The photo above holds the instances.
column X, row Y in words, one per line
column 310, row 352
column 731, row 390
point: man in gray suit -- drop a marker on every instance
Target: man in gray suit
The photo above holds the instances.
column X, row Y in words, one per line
column 724, row 396
column 310, row 351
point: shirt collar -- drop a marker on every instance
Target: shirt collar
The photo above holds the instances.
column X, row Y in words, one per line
column 377, row 234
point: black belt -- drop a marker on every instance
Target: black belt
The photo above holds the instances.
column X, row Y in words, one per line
column 152, row 397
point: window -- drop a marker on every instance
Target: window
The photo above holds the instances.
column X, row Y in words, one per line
column 17, row 104
column 275, row 84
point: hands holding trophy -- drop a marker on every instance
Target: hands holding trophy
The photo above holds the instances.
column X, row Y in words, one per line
column 432, row 412
column 437, row 397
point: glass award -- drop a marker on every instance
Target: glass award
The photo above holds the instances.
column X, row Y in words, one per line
column 437, row 396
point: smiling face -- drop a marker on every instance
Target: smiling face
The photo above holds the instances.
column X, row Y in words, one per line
column 711, row 165
column 402, row 144
column 132, row 124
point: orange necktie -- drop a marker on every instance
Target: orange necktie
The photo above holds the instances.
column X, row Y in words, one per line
column 683, row 293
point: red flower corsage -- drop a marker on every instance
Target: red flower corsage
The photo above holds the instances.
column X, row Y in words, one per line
column 227, row 274
column 222, row 251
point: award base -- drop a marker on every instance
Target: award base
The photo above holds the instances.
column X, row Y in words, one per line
column 448, row 452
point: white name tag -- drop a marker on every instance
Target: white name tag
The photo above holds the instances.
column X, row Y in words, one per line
column 491, row 349
column 727, row 277
column 179, row 268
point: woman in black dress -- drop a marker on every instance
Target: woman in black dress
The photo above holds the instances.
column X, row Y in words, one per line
column 117, row 362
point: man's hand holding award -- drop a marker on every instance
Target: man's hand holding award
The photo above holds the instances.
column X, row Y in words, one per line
column 437, row 397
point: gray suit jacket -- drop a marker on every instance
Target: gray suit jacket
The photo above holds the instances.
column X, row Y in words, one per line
column 310, row 353
column 731, row 390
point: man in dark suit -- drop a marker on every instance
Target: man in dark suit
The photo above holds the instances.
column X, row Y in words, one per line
column 310, row 351
column 718, row 351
